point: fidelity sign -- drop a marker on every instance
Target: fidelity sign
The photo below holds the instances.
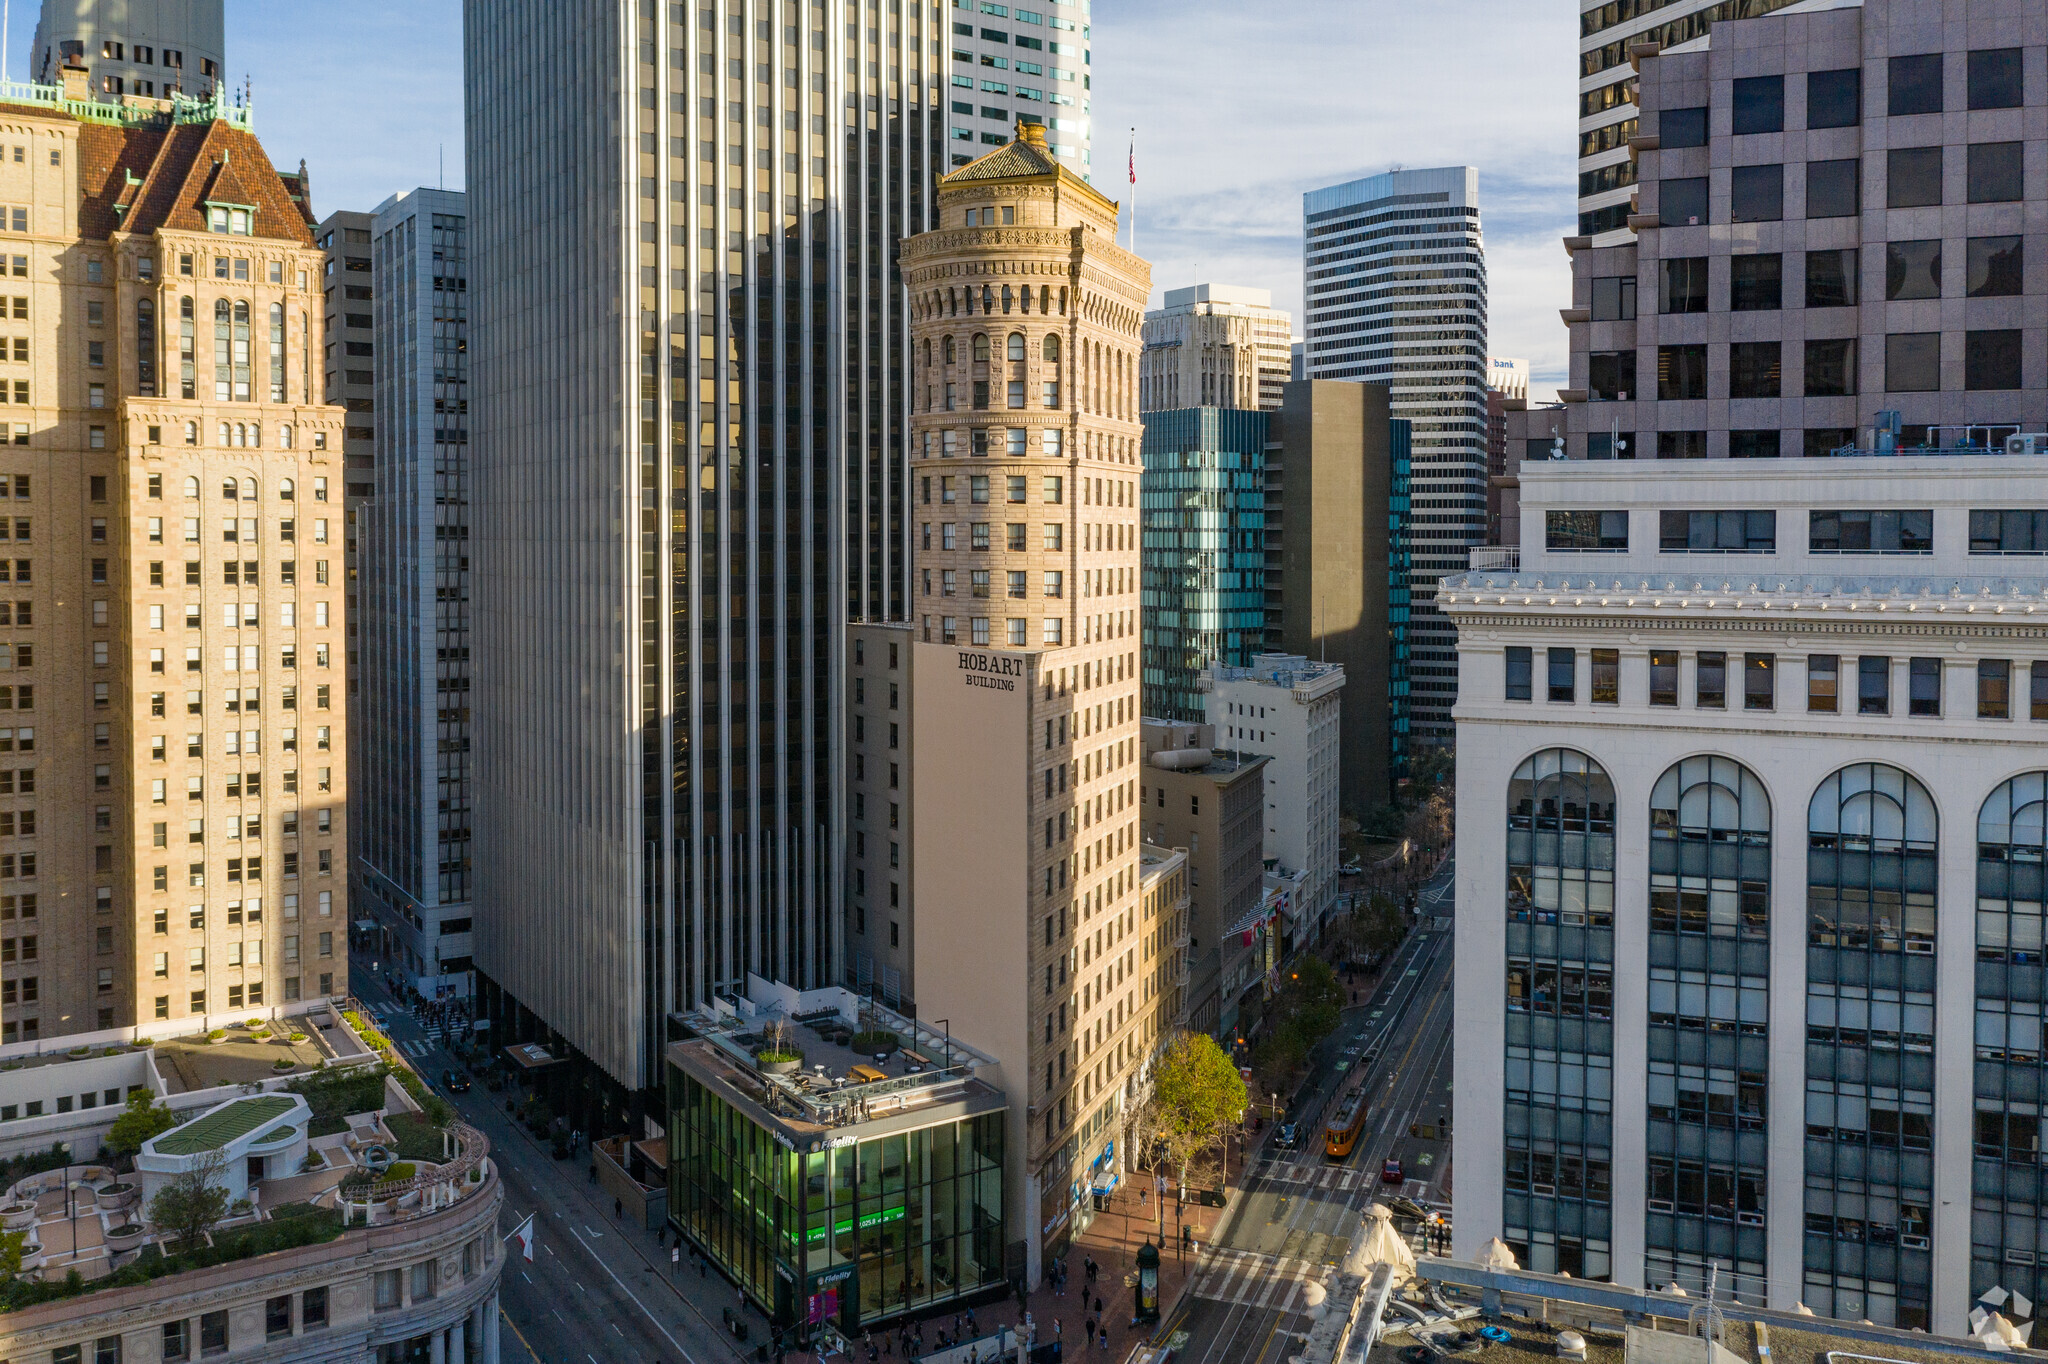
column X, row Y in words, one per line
column 991, row 670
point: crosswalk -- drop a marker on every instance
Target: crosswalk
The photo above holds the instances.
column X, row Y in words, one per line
column 413, row 1047
column 1246, row 1278
column 1326, row 1178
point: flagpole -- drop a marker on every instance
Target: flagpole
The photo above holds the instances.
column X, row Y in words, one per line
column 1134, row 191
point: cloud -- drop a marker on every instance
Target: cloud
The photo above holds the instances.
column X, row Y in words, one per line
column 1240, row 108
column 369, row 93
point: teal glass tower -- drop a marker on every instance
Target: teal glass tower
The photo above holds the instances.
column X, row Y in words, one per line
column 1202, row 516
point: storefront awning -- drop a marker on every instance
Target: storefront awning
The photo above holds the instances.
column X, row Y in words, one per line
column 531, row 1056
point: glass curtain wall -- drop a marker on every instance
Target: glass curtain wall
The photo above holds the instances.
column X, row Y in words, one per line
column 1709, row 1049
column 872, row 1229
column 1871, row 844
column 1557, row 1209
column 2006, row 1225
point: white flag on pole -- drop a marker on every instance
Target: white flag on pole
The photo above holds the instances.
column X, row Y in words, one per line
column 523, row 1235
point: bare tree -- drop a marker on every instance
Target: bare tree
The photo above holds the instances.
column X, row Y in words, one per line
column 193, row 1202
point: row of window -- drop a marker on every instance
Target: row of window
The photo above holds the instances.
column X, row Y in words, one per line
column 1016, row 631
column 1993, row 267
column 2013, row 530
column 234, row 531
column 1012, row 442
column 1756, row 681
column 1017, row 584
column 238, row 572
column 1016, row 489
column 1995, row 78
column 1992, row 359
column 1994, row 173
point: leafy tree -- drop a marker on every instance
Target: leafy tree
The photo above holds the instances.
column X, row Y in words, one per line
column 1380, row 927
column 192, row 1203
column 1314, row 1000
column 142, row 1119
column 1197, row 1096
column 12, row 1245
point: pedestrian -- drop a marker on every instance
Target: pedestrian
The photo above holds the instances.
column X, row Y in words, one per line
column 618, row 1210
column 700, row 1267
column 1142, row 1191
column 1059, row 1328
column 1087, row 1331
column 1098, row 1307
column 1105, row 1340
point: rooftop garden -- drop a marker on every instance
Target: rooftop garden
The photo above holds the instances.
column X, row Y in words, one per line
column 288, row 1226
column 224, row 1125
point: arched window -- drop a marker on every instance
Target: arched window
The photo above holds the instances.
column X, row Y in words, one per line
column 188, row 337
column 981, row 347
column 223, row 353
column 241, row 350
column 1016, row 345
column 1051, row 349
column 230, row 489
column 952, row 352
column 286, row 490
column 1872, row 834
column 285, row 437
column 227, row 435
column 1710, row 850
column 191, row 490
column 145, row 346
column 1870, row 861
column 1559, row 1072
column 192, row 435
column 1008, row 298
column 2012, row 851
column 248, row 490
column 277, row 352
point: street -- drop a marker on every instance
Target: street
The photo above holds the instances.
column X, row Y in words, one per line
column 1298, row 1210
column 596, row 1291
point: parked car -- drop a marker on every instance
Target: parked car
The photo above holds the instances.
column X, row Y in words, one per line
column 455, row 1082
column 1390, row 1172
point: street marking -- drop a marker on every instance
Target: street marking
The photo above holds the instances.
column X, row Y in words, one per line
column 687, row 1359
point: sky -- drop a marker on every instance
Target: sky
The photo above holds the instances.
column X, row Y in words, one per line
column 1238, row 105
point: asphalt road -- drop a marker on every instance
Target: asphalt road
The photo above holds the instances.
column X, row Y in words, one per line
column 1298, row 1211
column 595, row 1292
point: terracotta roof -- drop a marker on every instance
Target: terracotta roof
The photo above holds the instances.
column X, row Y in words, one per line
column 1025, row 158
column 180, row 168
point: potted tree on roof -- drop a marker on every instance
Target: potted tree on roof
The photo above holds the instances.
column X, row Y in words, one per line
column 778, row 1056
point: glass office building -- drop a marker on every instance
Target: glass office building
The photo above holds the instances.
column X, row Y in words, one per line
column 1203, row 521
column 838, row 1201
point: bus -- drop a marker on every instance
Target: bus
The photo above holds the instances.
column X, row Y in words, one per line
column 1342, row 1133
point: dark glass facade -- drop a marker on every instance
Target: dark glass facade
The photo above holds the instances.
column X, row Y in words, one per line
column 862, row 1228
column 1203, row 521
column 1400, row 559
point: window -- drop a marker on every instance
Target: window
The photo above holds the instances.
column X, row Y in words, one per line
column 1681, row 445
column 313, row 1309
column 1831, row 368
column 1995, row 79
column 424, row 1278
column 1564, row 667
column 2037, row 690
column 1682, row 285
column 1756, row 283
column 1834, row 189
column 1596, row 530
column 1752, row 445
column 1611, row 375
column 1994, row 266
column 1614, row 298
column 1912, row 362
column 2018, row 531
column 1996, row 175
column 388, row 1289
column 1753, row 369
column 177, row 1340
column 1873, row 685
column 1756, row 194
column 1682, row 203
column 1678, row 128
column 1870, row 532
column 1759, row 105
column 277, row 1317
column 1994, row 689
column 1912, row 177
column 1924, row 683
column 1912, row 269
column 1914, row 85
column 1717, row 531
column 1710, row 681
column 1759, row 681
column 1991, row 359
column 1834, row 99
column 1606, row 677
column 213, row 1333
column 1518, row 673
column 1681, row 372
column 1663, row 677
column 1831, row 278
column 1823, row 683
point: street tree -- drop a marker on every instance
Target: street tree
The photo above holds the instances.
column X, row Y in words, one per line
column 1197, row 1097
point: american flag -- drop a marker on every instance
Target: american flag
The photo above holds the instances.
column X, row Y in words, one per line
column 1134, row 156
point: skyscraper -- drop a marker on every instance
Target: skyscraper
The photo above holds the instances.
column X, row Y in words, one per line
column 171, row 726
column 1203, row 518
column 412, row 709
column 1214, row 345
column 1394, row 290
column 152, row 48
column 1607, row 94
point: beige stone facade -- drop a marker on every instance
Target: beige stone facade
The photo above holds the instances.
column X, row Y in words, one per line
column 175, row 570
column 1026, row 877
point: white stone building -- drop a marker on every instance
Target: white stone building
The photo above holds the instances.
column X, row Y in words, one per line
column 1751, row 769
column 1215, row 345
column 1287, row 708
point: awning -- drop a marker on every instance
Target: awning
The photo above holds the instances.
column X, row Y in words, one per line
column 1103, row 1189
column 366, row 925
column 531, row 1056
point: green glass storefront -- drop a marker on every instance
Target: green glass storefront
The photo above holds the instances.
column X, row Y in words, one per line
column 885, row 1218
